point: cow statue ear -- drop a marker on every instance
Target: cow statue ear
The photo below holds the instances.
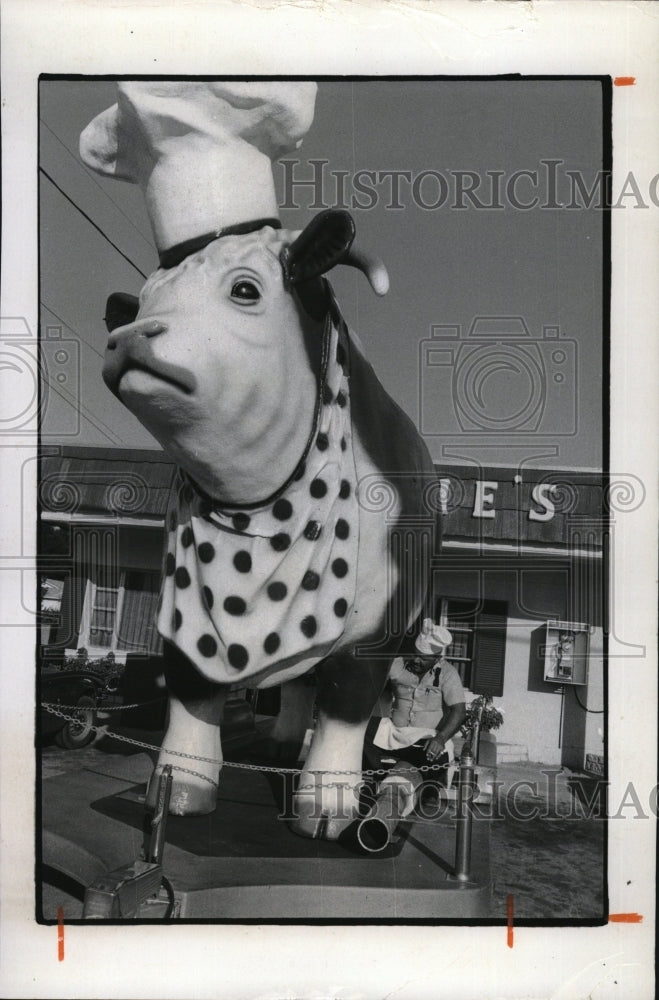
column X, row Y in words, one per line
column 324, row 243
column 120, row 309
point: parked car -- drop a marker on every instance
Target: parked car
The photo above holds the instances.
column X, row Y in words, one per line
column 82, row 689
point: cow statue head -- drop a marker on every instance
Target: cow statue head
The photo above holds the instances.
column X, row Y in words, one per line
column 219, row 357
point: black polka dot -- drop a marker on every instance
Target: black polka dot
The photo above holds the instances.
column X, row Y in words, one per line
column 312, row 530
column 208, row 597
column 344, row 492
column 271, row 643
column 235, row 605
column 282, row 509
column 277, row 591
column 207, row 645
column 170, row 563
column 238, row 656
column 280, row 541
column 343, row 444
column 340, row 607
column 341, row 355
column 172, row 521
column 309, row 626
column 240, row 521
column 341, row 398
column 206, row 552
column 318, row 488
column 342, row 529
column 187, row 493
column 322, row 442
column 327, row 395
column 242, row 561
column 339, row 567
column 310, row 580
column 182, row 577
column 299, row 472
column 186, row 537
column 178, row 619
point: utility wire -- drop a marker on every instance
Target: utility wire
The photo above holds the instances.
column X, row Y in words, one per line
column 76, row 404
column 591, row 711
column 69, row 327
column 94, row 181
column 90, row 221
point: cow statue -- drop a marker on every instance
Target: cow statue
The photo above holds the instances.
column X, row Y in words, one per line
column 238, row 361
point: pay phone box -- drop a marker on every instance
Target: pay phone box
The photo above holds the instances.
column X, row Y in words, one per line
column 566, row 652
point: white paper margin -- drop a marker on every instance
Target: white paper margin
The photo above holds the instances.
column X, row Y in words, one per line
column 343, row 37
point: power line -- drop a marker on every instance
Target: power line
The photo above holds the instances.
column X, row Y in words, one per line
column 90, row 221
column 69, row 327
column 77, row 404
column 94, row 181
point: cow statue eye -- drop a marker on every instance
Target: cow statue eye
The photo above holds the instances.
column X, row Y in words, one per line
column 245, row 291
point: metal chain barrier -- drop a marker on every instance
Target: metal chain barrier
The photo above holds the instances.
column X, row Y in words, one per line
column 372, row 772
column 103, row 708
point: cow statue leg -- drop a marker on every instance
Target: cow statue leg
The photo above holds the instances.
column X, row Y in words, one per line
column 326, row 803
column 193, row 727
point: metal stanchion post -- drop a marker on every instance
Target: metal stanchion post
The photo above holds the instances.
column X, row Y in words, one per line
column 464, row 816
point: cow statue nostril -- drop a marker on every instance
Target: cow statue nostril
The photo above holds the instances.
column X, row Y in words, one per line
column 120, row 309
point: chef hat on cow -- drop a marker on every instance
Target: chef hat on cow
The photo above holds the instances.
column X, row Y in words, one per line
column 432, row 638
column 200, row 151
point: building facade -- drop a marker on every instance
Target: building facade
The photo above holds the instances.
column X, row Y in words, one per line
column 519, row 580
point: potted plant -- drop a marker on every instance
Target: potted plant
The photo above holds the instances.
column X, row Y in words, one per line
column 482, row 719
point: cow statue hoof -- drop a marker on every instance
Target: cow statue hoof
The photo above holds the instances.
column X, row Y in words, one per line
column 311, row 821
column 190, row 796
column 324, row 811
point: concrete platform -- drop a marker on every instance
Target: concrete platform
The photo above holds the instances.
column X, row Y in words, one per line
column 243, row 862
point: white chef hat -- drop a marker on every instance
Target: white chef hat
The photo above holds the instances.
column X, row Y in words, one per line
column 201, row 151
column 432, row 638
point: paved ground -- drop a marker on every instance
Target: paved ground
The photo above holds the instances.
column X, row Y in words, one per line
column 546, row 851
column 552, row 862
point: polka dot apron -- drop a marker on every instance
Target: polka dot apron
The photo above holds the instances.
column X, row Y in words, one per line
column 245, row 588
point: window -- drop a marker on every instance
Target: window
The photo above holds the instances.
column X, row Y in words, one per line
column 120, row 611
column 51, row 590
column 102, row 609
column 137, row 631
column 479, row 642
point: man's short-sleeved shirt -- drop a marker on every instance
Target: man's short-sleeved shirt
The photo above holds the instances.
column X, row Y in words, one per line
column 420, row 701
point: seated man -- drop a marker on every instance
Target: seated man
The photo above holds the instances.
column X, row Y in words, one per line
column 428, row 708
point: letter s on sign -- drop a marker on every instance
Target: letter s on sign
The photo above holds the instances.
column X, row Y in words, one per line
column 539, row 496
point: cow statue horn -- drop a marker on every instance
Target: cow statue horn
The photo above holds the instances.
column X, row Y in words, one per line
column 372, row 266
column 326, row 241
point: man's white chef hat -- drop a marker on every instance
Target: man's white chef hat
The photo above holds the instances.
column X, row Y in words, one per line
column 201, row 151
column 432, row 638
